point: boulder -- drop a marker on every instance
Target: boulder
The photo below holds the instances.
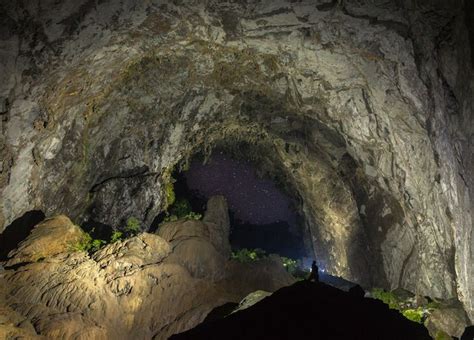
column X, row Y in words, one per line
column 52, row 236
column 449, row 320
column 252, row 299
column 193, row 249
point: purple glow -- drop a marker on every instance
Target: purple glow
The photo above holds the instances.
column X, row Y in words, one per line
column 252, row 199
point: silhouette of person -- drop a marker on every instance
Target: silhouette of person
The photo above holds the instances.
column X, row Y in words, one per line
column 314, row 276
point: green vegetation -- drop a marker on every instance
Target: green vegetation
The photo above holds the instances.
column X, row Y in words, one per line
column 416, row 315
column 298, row 272
column 388, row 298
column 176, row 208
column 245, row 255
column 170, row 218
column 440, row 335
column 169, row 191
column 190, row 216
column 88, row 244
column 116, row 236
column 169, row 181
column 181, row 209
column 407, row 307
column 290, row 265
column 133, row 226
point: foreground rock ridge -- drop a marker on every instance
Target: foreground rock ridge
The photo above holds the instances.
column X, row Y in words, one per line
column 146, row 287
column 361, row 109
column 308, row 310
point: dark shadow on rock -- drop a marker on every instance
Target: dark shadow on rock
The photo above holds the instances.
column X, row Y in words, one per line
column 155, row 224
column 357, row 292
column 308, row 310
column 17, row 265
column 17, row 231
column 98, row 230
column 221, row 312
column 468, row 333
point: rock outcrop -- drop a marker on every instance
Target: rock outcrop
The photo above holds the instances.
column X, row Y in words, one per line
column 448, row 320
column 309, row 310
column 51, row 237
column 361, row 108
column 148, row 286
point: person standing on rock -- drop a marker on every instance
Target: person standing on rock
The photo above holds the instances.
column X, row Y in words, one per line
column 314, row 276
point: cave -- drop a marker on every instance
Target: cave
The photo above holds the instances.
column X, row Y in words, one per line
column 261, row 214
column 148, row 146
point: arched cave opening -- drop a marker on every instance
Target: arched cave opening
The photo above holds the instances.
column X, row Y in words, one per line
column 264, row 213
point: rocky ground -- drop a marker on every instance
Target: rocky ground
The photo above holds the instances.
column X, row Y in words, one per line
column 308, row 310
column 147, row 286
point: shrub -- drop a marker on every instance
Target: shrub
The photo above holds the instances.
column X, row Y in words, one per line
column 408, row 310
column 290, row 265
column 170, row 195
column 88, row 244
column 116, row 236
column 193, row 216
column 182, row 209
column 133, row 226
column 388, row 298
column 245, row 255
column 170, row 218
column 96, row 245
column 414, row 314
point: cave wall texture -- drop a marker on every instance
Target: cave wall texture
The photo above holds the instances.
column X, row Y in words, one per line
column 362, row 106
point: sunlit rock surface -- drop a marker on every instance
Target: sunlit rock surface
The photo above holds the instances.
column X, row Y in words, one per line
column 363, row 109
column 49, row 238
column 144, row 287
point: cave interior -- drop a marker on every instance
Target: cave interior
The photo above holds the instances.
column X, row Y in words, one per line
column 155, row 148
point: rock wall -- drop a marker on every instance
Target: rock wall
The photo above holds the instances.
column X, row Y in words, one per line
column 364, row 107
